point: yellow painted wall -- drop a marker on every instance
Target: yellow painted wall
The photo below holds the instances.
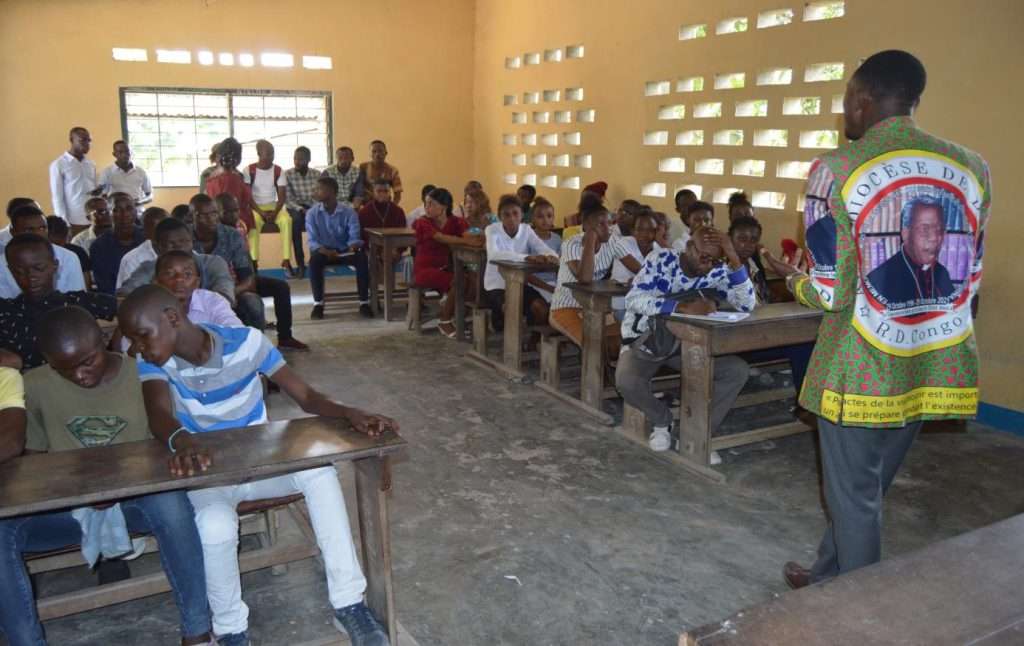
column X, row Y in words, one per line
column 402, row 73
column 972, row 52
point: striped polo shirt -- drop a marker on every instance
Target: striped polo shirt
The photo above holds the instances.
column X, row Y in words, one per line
column 226, row 391
column 572, row 249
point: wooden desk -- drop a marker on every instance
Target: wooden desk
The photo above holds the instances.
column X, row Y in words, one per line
column 463, row 255
column 769, row 326
column 595, row 298
column 963, row 590
column 53, row 481
column 515, row 275
column 382, row 243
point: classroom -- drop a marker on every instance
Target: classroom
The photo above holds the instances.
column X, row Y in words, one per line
column 469, row 322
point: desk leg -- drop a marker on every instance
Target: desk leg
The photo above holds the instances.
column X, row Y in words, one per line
column 695, row 402
column 374, row 260
column 374, row 531
column 513, row 350
column 389, row 279
column 460, row 299
column 592, row 377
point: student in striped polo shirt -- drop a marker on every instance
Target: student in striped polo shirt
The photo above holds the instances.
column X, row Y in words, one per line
column 199, row 379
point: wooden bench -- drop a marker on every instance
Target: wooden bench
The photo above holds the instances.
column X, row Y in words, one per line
column 418, row 297
column 43, row 482
column 962, row 590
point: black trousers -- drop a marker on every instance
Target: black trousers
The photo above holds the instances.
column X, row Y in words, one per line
column 298, row 228
column 250, row 306
column 318, row 263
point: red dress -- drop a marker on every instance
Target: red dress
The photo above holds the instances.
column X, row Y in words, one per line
column 431, row 255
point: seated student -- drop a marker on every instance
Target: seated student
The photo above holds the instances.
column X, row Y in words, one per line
column 638, row 237
column 57, row 232
column 90, row 397
column 98, row 211
column 201, row 379
column 34, row 266
column 739, row 205
column 664, row 274
column 174, row 235
column 29, row 220
column 420, row 210
column 178, row 273
column 299, row 191
column 586, row 257
column 380, row 212
column 335, row 238
column 216, row 239
column 745, row 233
column 699, row 214
column 145, row 251
column 229, row 210
column 227, row 179
column 12, row 205
column 478, row 215
column 471, row 185
column 183, row 213
column 108, row 249
column 437, row 229
column 624, row 216
column 592, row 193
column 510, row 239
column 683, row 199
column 661, row 230
column 268, row 183
column 544, row 282
column 527, row 193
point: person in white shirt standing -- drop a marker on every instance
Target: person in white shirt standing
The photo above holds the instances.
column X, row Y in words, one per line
column 125, row 177
column 510, row 239
column 73, row 180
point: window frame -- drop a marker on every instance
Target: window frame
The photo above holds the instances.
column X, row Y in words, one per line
column 230, row 93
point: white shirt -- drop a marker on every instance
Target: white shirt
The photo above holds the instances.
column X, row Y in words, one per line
column 414, row 215
column 84, row 239
column 69, row 276
column 5, row 236
column 264, row 190
column 71, row 181
column 131, row 261
column 622, row 274
column 500, row 246
column 134, row 181
column 679, row 244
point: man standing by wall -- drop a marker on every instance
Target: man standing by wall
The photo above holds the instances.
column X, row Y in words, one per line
column 73, row 180
column 880, row 368
column 125, row 177
column 377, row 168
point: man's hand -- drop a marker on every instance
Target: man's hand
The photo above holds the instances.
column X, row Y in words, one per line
column 370, row 423
column 722, row 239
column 330, row 253
column 189, row 458
column 542, row 259
column 701, row 308
column 776, row 265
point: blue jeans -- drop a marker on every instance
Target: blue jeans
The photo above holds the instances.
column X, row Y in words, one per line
column 168, row 516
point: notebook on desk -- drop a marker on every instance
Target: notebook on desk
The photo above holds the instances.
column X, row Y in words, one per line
column 721, row 317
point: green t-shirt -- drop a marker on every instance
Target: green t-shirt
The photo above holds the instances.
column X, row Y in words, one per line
column 63, row 416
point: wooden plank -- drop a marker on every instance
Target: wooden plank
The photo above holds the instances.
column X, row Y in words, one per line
column 515, row 281
column 763, row 397
column 375, row 253
column 695, row 400
column 480, row 330
column 372, row 503
column 48, row 481
column 674, row 458
column 482, row 360
column 156, row 583
column 962, row 590
column 758, row 435
column 459, row 278
column 576, row 403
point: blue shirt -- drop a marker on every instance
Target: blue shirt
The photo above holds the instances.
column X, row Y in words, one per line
column 338, row 230
column 106, row 254
column 226, row 391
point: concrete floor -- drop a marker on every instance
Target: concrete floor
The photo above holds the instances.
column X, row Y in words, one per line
column 516, row 520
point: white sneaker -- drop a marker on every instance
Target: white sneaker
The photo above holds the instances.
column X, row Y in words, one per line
column 659, row 440
column 715, row 458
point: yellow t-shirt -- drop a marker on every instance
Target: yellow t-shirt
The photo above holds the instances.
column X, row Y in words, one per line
column 12, row 389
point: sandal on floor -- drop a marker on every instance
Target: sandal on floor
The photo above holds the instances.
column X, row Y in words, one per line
column 450, row 335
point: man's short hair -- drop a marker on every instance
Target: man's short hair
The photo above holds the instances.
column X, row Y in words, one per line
column 304, row 150
column 700, row 206
column 154, row 214
column 529, row 188
column 26, row 240
column 66, row 327
column 166, row 227
column 329, row 182
column 744, row 222
column 180, row 212
column 171, row 256
column 347, row 149
column 79, row 129
column 25, row 211
column 918, row 203
column 15, row 202
column 119, row 141
column 200, row 199
column 97, row 198
column 56, row 226
column 685, row 192
column 893, row 74
column 378, row 141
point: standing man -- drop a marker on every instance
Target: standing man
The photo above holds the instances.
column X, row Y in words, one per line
column 125, row 177
column 882, row 367
column 377, row 168
column 300, row 185
column 266, row 179
column 350, row 179
column 73, row 180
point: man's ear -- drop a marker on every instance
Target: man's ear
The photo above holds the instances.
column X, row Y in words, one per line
column 173, row 316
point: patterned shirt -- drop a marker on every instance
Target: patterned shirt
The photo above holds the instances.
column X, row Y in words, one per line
column 226, row 391
column 662, row 275
column 230, row 246
column 572, row 249
column 351, row 183
column 891, row 348
column 214, row 275
column 372, row 172
column 298, row 192
column 18, row 318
